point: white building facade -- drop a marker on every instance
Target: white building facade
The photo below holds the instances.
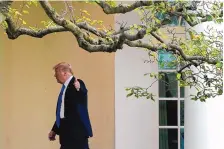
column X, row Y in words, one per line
column 172, row 121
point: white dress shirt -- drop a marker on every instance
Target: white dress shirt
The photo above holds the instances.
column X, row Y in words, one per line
column 62, row 114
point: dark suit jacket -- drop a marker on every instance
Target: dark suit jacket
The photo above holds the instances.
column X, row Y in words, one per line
column 76, row 124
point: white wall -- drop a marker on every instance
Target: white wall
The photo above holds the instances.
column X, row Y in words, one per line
column 136, row 120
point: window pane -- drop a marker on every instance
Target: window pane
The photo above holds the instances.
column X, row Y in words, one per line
column 182, row 22
column 182, row 138
column 166, row 60
column 168, row 138
column 177, row 21
column 168, row 85
column 182, row 92
column 160, row 15
column 168, row 113
column 174, row 20
column 182, row 113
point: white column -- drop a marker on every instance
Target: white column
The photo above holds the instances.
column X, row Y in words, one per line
column 195, row 124
column 136, row 120
column 215, row 131
column 204, row 122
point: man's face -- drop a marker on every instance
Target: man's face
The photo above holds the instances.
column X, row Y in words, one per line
column 59, row 75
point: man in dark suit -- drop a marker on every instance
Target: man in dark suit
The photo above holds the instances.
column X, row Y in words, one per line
column 72, row 119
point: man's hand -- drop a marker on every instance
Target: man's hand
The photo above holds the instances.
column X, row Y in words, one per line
column 77, row 84
column 51, row 136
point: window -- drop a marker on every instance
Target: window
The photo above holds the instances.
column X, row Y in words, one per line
column 168, row 138
column 166, row 60
column 173, row 20
column 171, row 104
column 168, row 85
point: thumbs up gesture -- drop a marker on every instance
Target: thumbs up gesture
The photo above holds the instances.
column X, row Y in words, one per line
column 77, row 84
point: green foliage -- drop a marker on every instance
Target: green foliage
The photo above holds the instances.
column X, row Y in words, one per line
column 17, row 14
column 209, row 17
column 139, row 92
column 4, row 25
column 219, row 65
column 32, row 2
column 48, row 24
column 178, row 76
column 155, row 17
column 112, row 3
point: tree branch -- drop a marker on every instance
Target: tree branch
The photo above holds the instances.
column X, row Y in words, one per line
column 122, row 8
column 51, row 13
column 173, row 47
column 140, row 44
column 206, row 52
column 83, row 40
column 87, row 27
column 4, row 6
column 200, row 16
column 101, row 44
column 190, row 22
column 13, row 32
column 70, row 26
column 176, row 49
column 157, row 37
column 37, row 34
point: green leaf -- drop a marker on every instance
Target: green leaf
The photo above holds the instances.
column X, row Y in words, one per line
column 148, row 30
column 219, row 65
column 88, row 19
column 25, row 12
column 18, row 13
column 130, row 94
column 85, row 11
column 35, row 2
column 157, row 20
column 209, row 17
column 153, row 54
column 167, row 21
column 4, row 25
column 2, row 18
column 127, row 89
column 164, row 45
column 220, row 91
column 93, row 22
column 219, row 20
column 162, row 5
column 24, row 22
column 99, row 21
column 111, row 3
column 33, row 28
column 194, row 98
column 178, row 76
column 27, row 6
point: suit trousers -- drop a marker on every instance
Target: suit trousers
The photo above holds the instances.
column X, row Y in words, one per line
column 77, row 144
column 67, row 140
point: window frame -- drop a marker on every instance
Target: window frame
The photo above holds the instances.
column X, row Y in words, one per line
column 178, row 99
